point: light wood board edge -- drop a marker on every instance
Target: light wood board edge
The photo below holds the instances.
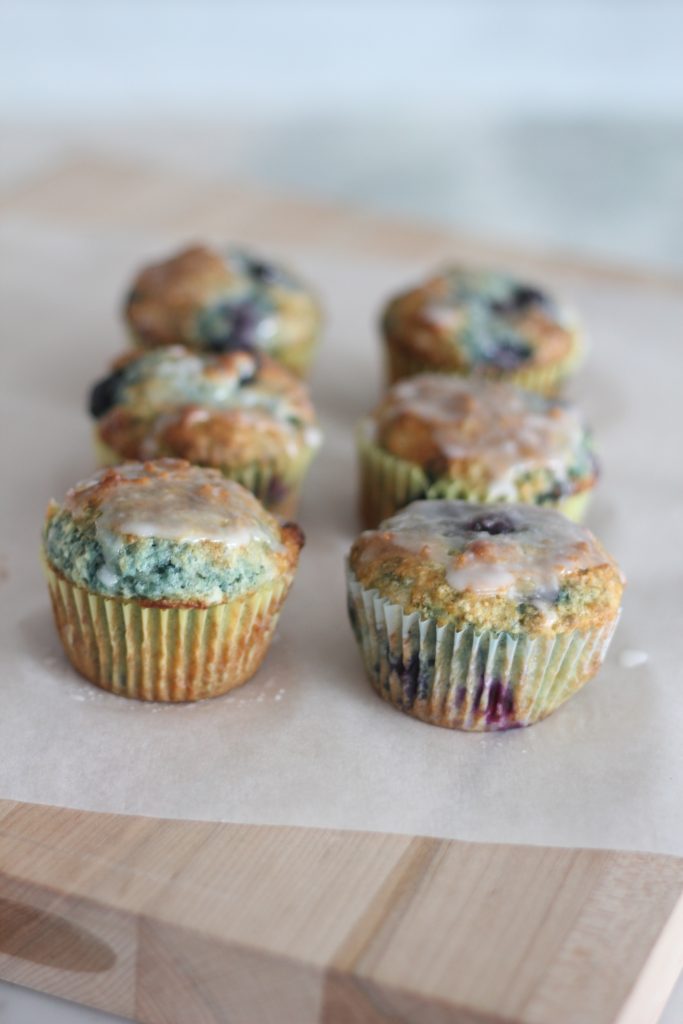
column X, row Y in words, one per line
column 172, row 921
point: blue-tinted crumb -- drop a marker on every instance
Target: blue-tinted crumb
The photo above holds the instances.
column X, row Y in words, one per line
column 148, row 568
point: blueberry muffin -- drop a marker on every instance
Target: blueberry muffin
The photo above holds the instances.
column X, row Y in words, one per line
column 478, row 617
column 215, row 299
column 240, row 412
column 166, row 579
column 443, row 436
column 484, row 323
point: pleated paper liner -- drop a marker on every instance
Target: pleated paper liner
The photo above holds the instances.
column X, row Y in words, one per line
column 476, row 680
column 388, row 484
column 546, row 380
column 164, row 654
column 277, row 488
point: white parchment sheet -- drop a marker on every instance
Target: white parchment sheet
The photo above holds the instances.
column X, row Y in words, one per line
column 306, row 741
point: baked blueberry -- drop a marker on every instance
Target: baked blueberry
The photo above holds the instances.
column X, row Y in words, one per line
column 493, row 523
column 508, row 354
column 458, row 617
column 265, row 273
column 440, row 435
column 166, row 579
column 521, row 297
column 225, row 299
column 103, row 394
column 238, row 411
column 466, row 321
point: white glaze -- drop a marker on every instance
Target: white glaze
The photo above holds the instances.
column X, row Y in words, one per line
column 107, row 576
column 502, row 429
column 530, row 561
column 173, row 378
column 169, row 499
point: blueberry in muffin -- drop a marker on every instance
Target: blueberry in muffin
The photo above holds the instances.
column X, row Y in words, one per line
column 481, row 618
column 240, row 412
column 221, row 299
column 166, row 579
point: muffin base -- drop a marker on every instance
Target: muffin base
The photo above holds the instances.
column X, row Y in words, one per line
column 546, row 380
column 388, row 484
column 278, row 490
column 469, row 679
column 164, row 654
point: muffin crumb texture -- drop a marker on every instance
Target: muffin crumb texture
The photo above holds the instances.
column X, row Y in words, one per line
column 167, row 533
column 513, row 568
column 444, row 436
column 481, row 618
column 223, row 299
column 240, row 412
column 484, row 322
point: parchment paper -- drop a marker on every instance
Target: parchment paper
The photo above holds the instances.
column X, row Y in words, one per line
column 306, row 741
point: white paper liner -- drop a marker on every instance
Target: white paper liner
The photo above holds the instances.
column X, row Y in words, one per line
column 477, row 680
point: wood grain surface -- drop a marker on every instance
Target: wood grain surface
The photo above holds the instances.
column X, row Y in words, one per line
column 169, row 921
column 180, row 922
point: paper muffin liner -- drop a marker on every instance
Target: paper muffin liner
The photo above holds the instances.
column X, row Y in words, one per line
column 546, row 380
column 388, row 484
column 278, row 488
column 164, row 654
column 470, row 679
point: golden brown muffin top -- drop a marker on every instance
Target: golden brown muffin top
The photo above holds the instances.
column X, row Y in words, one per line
column 491, row 435
column 173, row 500
column 227, row 410
column 513, row 567
column 480, row 322
column 168, row 533
column 215, row 299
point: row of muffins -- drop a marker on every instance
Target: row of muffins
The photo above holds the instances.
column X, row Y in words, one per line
column 206, row 387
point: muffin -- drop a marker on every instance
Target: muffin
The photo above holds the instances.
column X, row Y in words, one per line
column 441, row 436
column 481, row 618
column 483, row 323
column 214, row 299
column 239, row 412
column 166, row 579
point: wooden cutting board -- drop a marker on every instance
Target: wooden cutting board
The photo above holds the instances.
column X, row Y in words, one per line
column 200, row 923
column 184, row 922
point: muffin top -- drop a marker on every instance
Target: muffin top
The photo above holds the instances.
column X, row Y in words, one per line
column 516, row 568
column 167, row 533
column 480, row 321
column 222, row 410
column 502, row 443
column 216, row 299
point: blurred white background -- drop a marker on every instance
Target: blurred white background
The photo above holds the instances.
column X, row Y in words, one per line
column 553, row 123
column 556, row 123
